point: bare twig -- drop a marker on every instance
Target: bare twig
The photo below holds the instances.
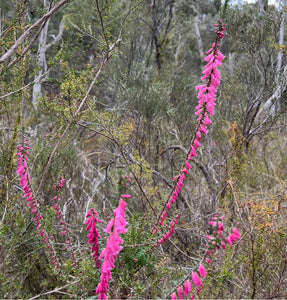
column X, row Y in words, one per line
column 22, row 88
column 102, row 24
column 56, row 290
column 182, row 252
column 25, row 50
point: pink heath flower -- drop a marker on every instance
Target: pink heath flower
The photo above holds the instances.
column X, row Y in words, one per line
column 93, row 235
column 179, row 292
column 212, row 223
column 126, row 196
column 196, row 279
column 187, row 287
column 236, row 233
column 234, row 236
column 207, row 91
column 188, row 166
column 202, row 271
column 229, row 240
column 220, row 226
column 115, row 227
column 208, row 260
column 25, row 183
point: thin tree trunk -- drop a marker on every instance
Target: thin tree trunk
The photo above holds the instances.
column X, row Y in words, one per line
column 41, row 61
column 41, row 57
column 273, row 103
column 279, row 59
column 281, row 41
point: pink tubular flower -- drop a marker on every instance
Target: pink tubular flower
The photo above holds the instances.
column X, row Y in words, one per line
column 196, row 279
column 220, row 227
column 236, row 233
column 187, row 287
column 179, row 292
column 173, row 296
column 170, row 230
column 208, row 260
column 93, row 235
column 188, row 166
column 207, row 91
column 234, row 236
column 126, row 196
column 229, row 240
column 193, row 152
column 218, row 240
column 115, row 227
column 202, row 271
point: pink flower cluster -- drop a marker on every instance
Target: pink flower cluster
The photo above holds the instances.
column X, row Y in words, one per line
column 25, row 183
column 124, row 182
column 170, row 230
column 215, row 241
column 220, row 237
column 233, row 236
column 56, row 207
column 115, row 227
column 186, row 287
column 207, row 91
column 61, row 218
column 93, row 235
column 204, row 109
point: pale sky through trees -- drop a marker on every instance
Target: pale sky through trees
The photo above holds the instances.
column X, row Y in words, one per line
column 270, row 2
column 278, row 3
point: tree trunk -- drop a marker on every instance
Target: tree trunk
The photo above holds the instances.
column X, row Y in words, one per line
column 41, row 61
column 279, row 59
column 273, row 103
column 41, row 57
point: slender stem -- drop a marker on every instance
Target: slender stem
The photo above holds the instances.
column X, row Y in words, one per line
column 102, row 24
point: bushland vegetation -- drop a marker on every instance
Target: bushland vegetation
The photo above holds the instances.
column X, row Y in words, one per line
column 126, row 173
